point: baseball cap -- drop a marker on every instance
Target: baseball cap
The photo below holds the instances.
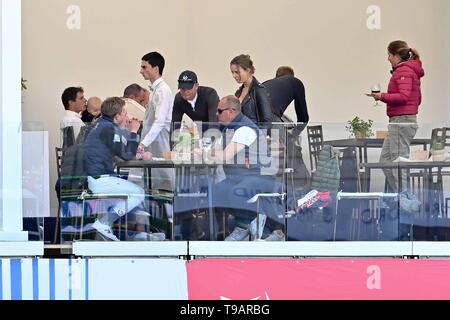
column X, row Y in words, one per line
column 187, row 79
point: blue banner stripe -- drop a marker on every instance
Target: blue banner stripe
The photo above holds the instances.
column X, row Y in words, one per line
column 86, row 282
column 1, row 280
column 52, row 278
column 16, row 279
column 70, row 278
column 35, row 279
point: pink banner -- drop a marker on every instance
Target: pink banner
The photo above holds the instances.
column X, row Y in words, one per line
column 307, row 279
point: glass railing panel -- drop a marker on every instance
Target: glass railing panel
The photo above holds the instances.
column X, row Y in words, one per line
column 35, row 183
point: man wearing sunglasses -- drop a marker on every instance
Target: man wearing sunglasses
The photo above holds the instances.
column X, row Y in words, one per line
column 197, row 102
column 242, row 146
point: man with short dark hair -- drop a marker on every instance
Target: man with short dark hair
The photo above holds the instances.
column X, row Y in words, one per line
column 197, row 102
column 284, row 71
column 285, row 89
column 158, row 115
column 74, row 103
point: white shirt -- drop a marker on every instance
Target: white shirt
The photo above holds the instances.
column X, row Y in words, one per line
column 72, row 119
column 160, row 105
column 134, row 109
column 193, row 102
column 244, row 135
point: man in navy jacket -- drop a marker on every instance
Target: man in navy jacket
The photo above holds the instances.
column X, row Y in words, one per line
column 105, row 141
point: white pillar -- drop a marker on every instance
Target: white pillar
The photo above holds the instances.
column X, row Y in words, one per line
column 10, row 122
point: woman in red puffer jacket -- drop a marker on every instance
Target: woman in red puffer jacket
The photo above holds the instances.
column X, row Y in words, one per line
column 402, row 99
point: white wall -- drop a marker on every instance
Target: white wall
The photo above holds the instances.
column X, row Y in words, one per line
column 325, row 41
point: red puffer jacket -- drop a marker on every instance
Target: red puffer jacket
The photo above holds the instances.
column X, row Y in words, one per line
column 404, row 96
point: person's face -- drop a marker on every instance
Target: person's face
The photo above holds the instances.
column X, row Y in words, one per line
column 240, row 74
column 122, row 118
column 394, row 59
column 149, row 72
column 189, row 94
column 141, row 98
column 96, row 111
column 79, row 104
column 94, row 107
column 224, row 113
column 146, row 97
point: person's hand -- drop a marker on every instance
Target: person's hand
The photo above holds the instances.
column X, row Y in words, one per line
column 197, row 153
column 139, row 155
column 134, row 125
column 376, row 96
column 147, row 155
column 141, row 148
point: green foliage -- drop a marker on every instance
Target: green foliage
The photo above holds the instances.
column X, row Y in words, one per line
column 360, row 128
column 437, row 144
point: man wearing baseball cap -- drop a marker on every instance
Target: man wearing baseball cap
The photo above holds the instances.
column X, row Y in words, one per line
column 197, row 102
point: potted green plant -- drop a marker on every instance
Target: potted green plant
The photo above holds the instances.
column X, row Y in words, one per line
column 360, row 128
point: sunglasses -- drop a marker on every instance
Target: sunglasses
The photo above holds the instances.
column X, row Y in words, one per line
column 219, row 111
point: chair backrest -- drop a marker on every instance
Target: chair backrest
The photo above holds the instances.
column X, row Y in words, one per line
column 59, row 156
column 446, row 136
column 315, row 143
column 441, row 134
column 84, row 132
column 68, row 137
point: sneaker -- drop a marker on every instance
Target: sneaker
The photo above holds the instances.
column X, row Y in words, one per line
column 276, row 235
column 141, row 236
column 144, row 236
column 238, row 234
column 157, row 236
column 105, row 231
column 409, row 202
column 142, row 213
column 253, row 229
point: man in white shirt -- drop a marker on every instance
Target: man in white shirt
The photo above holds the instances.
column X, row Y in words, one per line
column 155, row 135
column 74, row 103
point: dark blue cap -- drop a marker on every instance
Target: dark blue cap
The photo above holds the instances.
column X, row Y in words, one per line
column 187, row 79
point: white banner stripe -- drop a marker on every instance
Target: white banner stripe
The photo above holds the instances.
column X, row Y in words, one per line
column 62, row 279
column 78, row 279
column 27, row 279
column 145, row 279
column 6, row 270
column 44, row 279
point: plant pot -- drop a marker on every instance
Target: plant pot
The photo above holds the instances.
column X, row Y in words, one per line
column 360, row 135
column 438, row 155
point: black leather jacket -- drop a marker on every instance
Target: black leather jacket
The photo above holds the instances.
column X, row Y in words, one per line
column 257, row 105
